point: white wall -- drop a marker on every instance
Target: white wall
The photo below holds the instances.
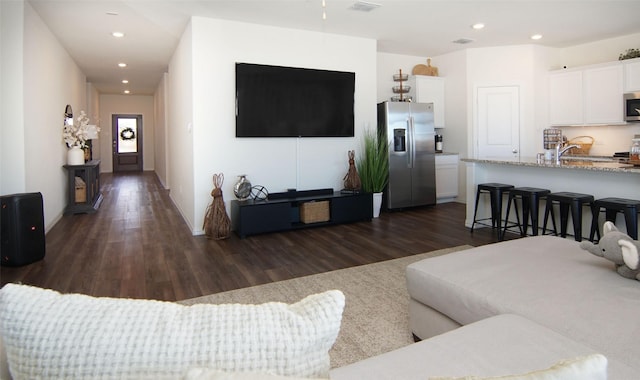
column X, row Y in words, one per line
column 209, row 131
column 12, row 147
column 180, row 139
column 110, row 105
column 602, row 51
column 160, row 142
column 51, row 81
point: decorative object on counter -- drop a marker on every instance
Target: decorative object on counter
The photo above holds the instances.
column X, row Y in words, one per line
column 216, row 221
column 352, row 179
column 242, row 188
column 373, row 167
column 438, row 143
column 634, row 151
column 76, row 134
column 425, row 69
column 551, row 137
column 401, row 88
column 259, row 193
column 629, row 54
column 584, row 146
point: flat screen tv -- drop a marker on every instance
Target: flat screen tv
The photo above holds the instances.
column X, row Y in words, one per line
column 275, row 101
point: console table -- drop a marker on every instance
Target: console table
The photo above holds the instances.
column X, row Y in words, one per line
column 83, row 198
column 281, row 211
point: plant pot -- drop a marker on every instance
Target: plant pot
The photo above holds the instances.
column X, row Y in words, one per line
column 377, row 204
column 75, row 156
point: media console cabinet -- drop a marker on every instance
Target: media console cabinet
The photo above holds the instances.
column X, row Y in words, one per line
column 282, row 211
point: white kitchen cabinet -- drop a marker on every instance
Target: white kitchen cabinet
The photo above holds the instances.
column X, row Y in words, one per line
column 428, row 89
column 632, row 75
column 586, row 96
column 446, row 177
column 565, row 98
column 603, row 88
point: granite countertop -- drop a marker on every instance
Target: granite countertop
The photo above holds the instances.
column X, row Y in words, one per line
column 592, row 163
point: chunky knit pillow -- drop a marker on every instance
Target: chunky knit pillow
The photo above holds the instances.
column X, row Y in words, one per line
column 50, row 335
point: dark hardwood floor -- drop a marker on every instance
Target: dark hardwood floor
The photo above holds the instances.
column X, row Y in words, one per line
column 138, row 246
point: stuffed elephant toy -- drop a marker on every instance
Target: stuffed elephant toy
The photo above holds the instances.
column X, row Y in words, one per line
column 618, row 248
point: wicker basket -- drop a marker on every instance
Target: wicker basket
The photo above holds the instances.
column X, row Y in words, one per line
column 585, row 143
column 314, row 212
column 81, row 190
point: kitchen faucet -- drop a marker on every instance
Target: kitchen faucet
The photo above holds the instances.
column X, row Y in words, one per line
column 560, row 151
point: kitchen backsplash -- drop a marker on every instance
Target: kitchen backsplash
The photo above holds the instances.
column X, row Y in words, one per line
column 607, row 139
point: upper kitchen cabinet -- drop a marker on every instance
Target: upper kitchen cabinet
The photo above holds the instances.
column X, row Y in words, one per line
column 428, row 89
column 632, row 75
column 586, row 96
column 566, row 106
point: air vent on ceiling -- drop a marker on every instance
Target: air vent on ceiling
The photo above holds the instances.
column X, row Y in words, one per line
column 364, row 6
column 463, row 41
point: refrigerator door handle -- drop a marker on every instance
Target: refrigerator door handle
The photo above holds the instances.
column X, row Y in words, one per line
column 411, row 143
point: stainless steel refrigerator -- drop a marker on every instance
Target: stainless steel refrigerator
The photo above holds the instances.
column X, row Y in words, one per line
column 408, row 128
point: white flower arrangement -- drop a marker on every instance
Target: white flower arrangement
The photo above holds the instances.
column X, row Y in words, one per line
column 77, row 134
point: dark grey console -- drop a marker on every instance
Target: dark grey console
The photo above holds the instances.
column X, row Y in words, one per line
column 83, row 188
column 281, row 211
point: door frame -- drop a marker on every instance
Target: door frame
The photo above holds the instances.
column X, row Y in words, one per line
column 114, row 142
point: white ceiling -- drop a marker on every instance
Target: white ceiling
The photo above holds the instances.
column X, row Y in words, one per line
column 420, row 28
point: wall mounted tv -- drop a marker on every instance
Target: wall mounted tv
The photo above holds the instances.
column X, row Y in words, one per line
column 275, row 101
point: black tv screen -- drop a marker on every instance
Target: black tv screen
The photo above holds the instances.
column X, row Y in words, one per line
column 275, row 101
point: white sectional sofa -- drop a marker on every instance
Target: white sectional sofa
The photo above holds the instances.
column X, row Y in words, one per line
column 508, row 308
column 523, row 304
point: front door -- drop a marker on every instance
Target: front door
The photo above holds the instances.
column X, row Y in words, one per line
column 127, row 142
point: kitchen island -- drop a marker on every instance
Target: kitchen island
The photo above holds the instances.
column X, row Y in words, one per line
column 599, row 176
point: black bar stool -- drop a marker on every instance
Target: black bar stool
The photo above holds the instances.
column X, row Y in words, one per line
column 612, row 206
column 568, row 201
column 495, row 191
column 530, row 198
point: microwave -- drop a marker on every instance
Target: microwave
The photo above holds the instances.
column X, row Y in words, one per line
column 632, row 107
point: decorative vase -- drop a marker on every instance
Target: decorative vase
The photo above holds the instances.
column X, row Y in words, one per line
column 377, row 204
column 75, row 156
column 242, row 188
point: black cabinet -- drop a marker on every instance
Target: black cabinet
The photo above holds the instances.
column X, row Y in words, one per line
column 83, row 188
column 281, row 211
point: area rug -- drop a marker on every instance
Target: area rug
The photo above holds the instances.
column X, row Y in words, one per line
column 375, row 318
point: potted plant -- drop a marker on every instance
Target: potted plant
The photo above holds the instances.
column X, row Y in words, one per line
column 373, row 167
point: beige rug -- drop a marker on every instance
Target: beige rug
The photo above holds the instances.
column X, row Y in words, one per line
column 375, row 318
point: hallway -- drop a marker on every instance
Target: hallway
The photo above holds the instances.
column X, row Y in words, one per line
column 138, row 246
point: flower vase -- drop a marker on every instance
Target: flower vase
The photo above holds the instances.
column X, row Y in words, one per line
column 75, row 156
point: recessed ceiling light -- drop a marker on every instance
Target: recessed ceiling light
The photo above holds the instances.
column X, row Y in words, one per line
column 112, row 13
column 122, row 64
column 125, row 81
column 536, row 36
column 478, row 26
column 117, row 34
column 127, row 91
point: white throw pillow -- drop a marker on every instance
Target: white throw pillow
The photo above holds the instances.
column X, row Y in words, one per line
column 50, row 335
column 592, row 367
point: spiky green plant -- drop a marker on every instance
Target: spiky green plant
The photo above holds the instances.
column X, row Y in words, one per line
column 373, row 162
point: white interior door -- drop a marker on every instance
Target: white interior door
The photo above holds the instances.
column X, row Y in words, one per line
column 498, row 122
